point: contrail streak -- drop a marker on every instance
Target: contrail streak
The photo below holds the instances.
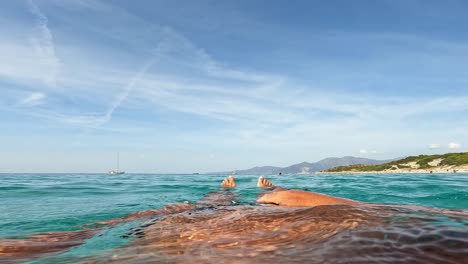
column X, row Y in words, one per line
column 129, row 87
column 44, row 44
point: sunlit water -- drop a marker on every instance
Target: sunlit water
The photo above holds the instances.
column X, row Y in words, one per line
column 240, row 232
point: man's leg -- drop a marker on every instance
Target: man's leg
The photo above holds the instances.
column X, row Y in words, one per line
column 228, row 182
column 264, row 183
column 220, row 197
column 284, row 197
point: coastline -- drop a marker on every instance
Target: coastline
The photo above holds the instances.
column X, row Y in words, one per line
column 439, row 170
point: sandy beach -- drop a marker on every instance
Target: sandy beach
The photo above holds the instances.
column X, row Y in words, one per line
column 438, row 169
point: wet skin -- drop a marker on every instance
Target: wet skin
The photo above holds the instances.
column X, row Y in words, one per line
column 44, row 243
column 292, row 220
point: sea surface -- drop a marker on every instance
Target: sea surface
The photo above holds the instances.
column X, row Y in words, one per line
column 416, row 217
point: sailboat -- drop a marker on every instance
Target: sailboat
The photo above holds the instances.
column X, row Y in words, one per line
column 117, row 171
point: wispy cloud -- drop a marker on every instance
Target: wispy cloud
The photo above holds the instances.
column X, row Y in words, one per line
column 43, row 44
column 434, row 146
column 249, row 105
column 453, row 145
column 33, row 99
column 189, row 80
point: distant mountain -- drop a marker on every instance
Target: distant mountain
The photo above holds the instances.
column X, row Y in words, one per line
column 307, row 167
column 261, row 170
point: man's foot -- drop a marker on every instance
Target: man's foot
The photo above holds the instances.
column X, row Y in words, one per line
column 228, row 182
column 262, row 182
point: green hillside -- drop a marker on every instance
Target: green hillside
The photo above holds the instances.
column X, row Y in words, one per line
column 449, row 159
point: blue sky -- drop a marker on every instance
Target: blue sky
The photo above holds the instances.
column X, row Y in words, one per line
column 198, row 86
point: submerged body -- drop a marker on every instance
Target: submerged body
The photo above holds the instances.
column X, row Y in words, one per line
column 305, row 227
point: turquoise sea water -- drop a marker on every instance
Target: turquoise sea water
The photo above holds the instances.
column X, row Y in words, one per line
column 33, row 203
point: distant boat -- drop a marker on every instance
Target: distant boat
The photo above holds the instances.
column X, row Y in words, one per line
column 117, row 171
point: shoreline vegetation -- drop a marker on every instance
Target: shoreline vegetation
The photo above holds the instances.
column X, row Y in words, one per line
column 443, row 163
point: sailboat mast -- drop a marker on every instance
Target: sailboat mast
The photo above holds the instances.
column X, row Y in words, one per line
column 118, row 154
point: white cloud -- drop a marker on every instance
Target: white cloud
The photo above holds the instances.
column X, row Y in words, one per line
column 198, row 84
column 453, row 145
column 257, row 107
column 43, row 44
column 33, row 99
column 434, row 146
column 365, row 151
